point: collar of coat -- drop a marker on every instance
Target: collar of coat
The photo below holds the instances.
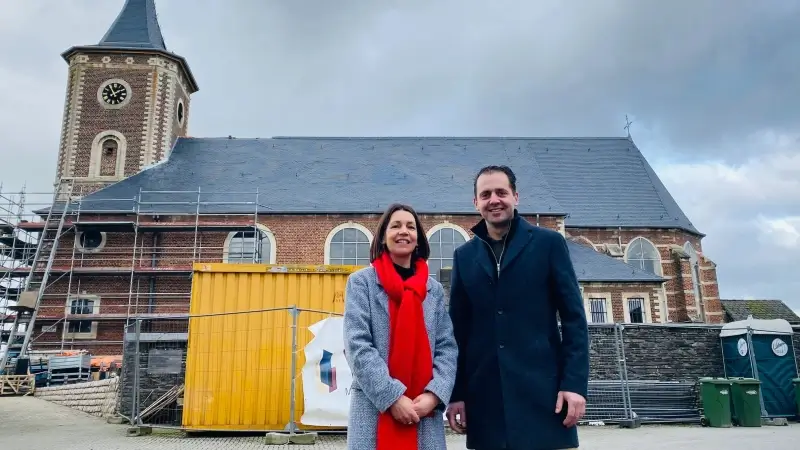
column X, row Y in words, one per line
column 482, row 231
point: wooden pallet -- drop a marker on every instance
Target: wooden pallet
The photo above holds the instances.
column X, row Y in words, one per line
column 17, row 384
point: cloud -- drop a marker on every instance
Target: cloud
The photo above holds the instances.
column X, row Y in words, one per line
column 751, row 213
column 783, row 232
column 711, row 87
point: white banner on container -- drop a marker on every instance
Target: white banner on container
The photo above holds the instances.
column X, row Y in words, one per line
column 326, row 376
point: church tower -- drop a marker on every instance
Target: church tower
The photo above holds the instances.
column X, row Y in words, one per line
column 127, row 101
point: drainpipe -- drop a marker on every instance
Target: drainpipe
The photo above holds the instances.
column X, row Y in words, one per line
column 151, row 300
column 537, row 219
column 619, row 236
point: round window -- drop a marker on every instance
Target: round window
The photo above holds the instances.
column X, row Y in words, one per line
column 91, row 239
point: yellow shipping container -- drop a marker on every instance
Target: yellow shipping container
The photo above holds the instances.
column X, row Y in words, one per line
column 239, row 357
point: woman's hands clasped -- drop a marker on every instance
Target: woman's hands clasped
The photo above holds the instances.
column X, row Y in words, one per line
column 409, row 412
column 404, row 412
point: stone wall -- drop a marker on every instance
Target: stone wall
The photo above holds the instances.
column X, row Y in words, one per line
column 665, row 352
column 98, row 398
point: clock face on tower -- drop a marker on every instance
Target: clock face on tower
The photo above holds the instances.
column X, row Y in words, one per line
column 114, row 93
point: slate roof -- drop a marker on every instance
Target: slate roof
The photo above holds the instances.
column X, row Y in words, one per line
column 599, row 182
column 593, row 266
column 760, row 309
column 136, row 28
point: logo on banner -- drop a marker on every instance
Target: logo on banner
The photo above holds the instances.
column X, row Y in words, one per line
column 327, row 371
column 326, row 376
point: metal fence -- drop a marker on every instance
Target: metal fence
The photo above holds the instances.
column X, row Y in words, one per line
column 609, row 397
column 245, row 374
column 244, row 370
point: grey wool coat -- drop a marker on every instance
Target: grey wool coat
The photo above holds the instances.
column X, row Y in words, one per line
column 366, row 338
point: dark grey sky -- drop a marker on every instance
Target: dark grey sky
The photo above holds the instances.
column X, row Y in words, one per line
column 712, row 86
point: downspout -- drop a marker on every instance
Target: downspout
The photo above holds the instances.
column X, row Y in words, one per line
column 537, row 219
column 619, row 237
column 151, row 300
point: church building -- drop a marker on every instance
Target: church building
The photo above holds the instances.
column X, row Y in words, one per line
column 151, row 200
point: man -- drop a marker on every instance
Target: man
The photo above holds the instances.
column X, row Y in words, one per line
column 520, row 385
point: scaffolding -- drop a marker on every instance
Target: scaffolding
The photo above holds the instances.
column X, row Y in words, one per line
column 87, row 268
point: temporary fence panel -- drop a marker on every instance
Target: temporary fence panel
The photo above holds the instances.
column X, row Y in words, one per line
column 609, row 396
column 153, row 370
column 248, row 326
column 763, row 349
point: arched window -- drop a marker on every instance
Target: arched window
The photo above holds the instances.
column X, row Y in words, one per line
column 107, row 157
column 444, row 239
column 694, row 261
column 252, row 246
column 642, row 254
column 348, row 244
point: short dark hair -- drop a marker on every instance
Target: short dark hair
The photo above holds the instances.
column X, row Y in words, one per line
column 377, row 247
column 512, row 179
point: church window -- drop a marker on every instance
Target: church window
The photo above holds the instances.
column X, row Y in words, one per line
column 108, row 158
column 694, row 262
column 250, row 247
column 636, row 312
column 108, row 155
column 80, row 306
column 348, row 244
column 180, row 112
column 82, row 328
column 443, row 240
column 90, row 241
column 598, row 310
column 642, row 254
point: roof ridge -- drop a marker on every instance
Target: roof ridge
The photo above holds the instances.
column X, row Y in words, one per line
column 494, row 138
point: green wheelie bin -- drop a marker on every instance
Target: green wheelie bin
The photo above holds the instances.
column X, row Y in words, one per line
column 715, row 398
column 796, row 383
column 746, row 396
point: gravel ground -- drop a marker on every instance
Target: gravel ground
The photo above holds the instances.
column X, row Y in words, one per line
column 27, row 422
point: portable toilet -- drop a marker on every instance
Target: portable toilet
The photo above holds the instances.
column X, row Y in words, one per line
column 762, row 349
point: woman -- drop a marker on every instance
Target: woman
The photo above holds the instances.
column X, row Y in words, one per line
column 399, row 342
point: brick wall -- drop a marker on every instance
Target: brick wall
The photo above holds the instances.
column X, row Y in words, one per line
column 675, row 268
column 146, row 126
column 300, row 240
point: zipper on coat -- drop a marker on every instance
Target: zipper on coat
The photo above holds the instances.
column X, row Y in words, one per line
column 502, row 252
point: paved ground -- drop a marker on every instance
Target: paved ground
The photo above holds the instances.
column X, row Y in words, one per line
column 27, row 422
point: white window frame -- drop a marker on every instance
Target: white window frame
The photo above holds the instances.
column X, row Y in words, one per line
column 340, row 227
column 588, row 296
column 273, row 248
column 446, row 225
column 68, row 309
column 82, row 249
column 646, row 312
column 658, row 253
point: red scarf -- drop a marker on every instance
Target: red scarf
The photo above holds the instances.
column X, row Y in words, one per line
column 410, row 359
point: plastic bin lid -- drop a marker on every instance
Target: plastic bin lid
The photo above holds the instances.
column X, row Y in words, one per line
column 740, row 380
column 713, row 380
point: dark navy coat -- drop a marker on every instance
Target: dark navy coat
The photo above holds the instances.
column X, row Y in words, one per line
column 512, row 359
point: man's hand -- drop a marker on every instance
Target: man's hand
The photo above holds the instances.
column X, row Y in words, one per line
column 403, row 411
column 424, row 404
column 576, row 407
column 457, row 417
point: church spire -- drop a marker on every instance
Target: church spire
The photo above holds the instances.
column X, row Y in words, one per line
column 136, row 26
